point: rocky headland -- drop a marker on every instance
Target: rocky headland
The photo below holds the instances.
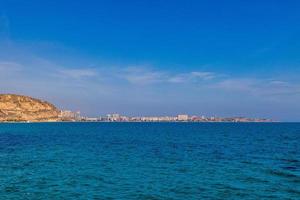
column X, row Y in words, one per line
column 18, row 108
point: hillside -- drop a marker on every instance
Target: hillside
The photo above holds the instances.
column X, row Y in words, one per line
column 23, row 108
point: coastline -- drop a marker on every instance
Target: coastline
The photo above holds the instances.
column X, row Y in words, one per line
column 175, row 122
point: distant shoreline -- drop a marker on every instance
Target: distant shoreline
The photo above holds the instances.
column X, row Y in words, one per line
column 179, row 122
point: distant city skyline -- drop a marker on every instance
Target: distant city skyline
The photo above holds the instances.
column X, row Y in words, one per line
column 67, row 115
column 155, row 58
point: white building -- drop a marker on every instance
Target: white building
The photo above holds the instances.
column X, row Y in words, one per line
column 114, row 117
column 182, row 117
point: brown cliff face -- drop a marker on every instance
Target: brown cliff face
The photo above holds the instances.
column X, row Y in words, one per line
column 22, row 108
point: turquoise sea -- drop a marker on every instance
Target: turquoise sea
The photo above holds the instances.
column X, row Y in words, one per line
column 150, row 161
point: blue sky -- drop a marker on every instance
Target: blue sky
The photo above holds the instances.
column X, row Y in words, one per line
column 224, row 58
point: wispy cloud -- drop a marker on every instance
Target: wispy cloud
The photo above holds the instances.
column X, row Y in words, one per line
column 142, row 75
column 77, row 73
column 258, row 87
column 279, row 83
column 236, row 84
column 203, row 75
column 191, row 76
column 7, row 67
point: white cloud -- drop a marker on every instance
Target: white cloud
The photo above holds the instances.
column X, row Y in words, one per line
column 258, row 87
column 232, row 84
column 278, row 83
column 77, row 73
column 191, row 77
column 142, row 75
column 181, row 78
column 7, row 67
column 203, row 75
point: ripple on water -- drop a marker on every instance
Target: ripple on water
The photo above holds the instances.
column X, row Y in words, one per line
column 282, row 174
column 149, row 161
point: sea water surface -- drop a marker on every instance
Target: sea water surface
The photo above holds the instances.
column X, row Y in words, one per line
column 150, row 161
